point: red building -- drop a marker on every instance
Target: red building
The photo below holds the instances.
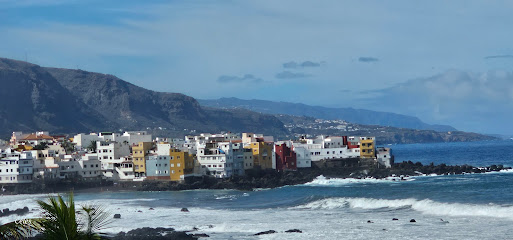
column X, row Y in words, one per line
column 285, row 158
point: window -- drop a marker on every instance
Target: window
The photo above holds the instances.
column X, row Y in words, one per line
column 85, row 166
column 173, row 171
column 178, row 165
column 173, row 165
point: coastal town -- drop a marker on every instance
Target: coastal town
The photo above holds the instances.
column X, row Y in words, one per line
column 138, row 156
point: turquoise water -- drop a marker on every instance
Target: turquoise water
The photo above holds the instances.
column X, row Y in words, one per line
column 473, row 206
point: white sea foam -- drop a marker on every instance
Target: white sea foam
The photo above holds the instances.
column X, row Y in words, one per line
column 425, row 206
column 315, row 224
column 323, row 181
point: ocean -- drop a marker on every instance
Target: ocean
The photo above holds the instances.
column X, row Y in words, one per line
column 470, row 206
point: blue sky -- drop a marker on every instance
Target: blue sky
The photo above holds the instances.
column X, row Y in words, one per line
column 446, row 62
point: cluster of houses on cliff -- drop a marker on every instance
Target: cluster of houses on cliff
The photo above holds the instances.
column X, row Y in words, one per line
column 136, row 155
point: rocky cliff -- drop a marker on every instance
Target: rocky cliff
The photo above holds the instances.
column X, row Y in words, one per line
column 71, row 101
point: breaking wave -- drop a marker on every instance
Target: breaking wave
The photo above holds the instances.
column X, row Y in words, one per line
column 425, row 206
column 333, row 182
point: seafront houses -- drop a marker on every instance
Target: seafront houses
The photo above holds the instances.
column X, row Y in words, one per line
column 384, row 156
column 86, row 167
column 181, row 164
column 46, row 165
column 139, row 153
column 136, row 156
column 157, row 167
column 285, row 157
column 262, row 148
column 216, row 158
column 322, row 147
column 16, row 167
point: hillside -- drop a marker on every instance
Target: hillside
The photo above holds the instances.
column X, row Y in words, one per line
column 70, row 101
column 360, row 116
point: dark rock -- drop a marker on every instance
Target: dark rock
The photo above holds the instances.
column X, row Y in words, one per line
column 151, row 208
column 413, row 220
column 265, row 232
column 117, row 215
column 293, row 231
column 184, row 210
column 153, row 233
column 139, row 211
column 394, row 219
column 19, row 212
column 198, row 235
column 369, row 221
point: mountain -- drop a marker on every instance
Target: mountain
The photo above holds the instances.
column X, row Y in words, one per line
column 32, row 99
column 360, row 116
column 71, row 101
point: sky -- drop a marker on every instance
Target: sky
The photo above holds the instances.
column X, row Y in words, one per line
column 446, row 62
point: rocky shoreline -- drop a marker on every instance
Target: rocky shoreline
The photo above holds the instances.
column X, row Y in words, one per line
column 254, row 179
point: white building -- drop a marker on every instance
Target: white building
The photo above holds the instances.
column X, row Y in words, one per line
column 135, row 137
column 45, row 164
column 16, row 167
column 216, row 159
column 109, row 150
column 321, row 148
column 384, row 157
column 163, row 148
column 82, row 141
column 85, row 166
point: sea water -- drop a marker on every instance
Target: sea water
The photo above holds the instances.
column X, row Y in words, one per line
column 470, row 206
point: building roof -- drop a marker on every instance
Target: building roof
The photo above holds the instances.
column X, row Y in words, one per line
column 34, row 136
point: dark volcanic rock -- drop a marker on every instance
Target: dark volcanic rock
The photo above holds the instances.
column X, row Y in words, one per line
column 117, row 215
column 293, row 231
column 413, row 220
column 198, row 235
column 184, row 210
column 20, row 211
column 265, row 232
column 153, row 233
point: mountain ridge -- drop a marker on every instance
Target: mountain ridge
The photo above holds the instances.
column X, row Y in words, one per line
column 71, row 101
column 360, row 116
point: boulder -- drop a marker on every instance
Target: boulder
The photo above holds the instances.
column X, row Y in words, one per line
column 394, row 219
column 293, row 231
column 413, row 220
column 198, row 235
column 117, row 215
column 184, row 210
column 369, row 221
column 265, row 232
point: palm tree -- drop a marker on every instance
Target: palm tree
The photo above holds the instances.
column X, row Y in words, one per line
column 60, row 220
column 19, row 229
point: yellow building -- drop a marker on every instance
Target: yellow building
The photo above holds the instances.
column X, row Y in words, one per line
column 180, row 164
column 139, row 153
column 367, row 148
column 262, row 154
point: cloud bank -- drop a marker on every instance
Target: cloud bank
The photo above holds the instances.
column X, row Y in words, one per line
column 290, row 75
column 305, row 64
column 480, row 102
column 235, row 79
column 368, row 59
column 499, row 56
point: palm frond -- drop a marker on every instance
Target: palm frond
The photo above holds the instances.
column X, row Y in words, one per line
column 94, row 218
column 20, row 229
column 59, row 218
